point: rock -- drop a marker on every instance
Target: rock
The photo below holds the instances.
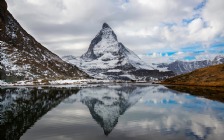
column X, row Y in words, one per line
column 3, row 10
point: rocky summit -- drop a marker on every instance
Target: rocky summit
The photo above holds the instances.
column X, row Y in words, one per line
column 22, row 57
column 106, row 58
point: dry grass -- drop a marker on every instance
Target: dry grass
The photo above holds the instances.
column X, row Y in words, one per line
column 210, row 76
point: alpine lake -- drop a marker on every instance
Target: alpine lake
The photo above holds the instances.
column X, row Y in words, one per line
column 109, row 112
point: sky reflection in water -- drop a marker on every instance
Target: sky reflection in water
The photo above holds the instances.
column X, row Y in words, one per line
column 113, row 112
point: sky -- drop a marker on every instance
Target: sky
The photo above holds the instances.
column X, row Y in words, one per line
column 156, row 30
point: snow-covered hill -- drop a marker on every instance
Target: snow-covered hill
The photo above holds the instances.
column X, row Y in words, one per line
column 182, row 67
column 22, row 57
column 106, row 58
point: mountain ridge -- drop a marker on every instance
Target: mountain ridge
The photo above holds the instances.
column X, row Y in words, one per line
column 22, row 57
column 182, row 67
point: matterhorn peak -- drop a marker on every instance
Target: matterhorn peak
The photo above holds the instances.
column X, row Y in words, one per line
column 107, row 58
column 107, row 32
column 106, row 39
column 105, row 25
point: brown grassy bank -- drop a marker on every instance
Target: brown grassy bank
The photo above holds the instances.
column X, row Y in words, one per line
column 210, row 76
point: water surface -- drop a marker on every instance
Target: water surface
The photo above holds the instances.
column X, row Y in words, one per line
column 110, row 112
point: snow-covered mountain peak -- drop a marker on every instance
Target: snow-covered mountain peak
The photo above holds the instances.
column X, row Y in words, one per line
column 218, row 59
column 107, row 58
column 105, row 41
column 107, row 33
column 105, row 25
column 106, row 48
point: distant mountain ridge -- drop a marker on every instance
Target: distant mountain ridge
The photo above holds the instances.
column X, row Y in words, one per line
column 22, row 57
column 106, row 58
column 182, row 67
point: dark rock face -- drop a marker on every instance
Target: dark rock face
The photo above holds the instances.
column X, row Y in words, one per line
column 22, row 57
column 3, row 10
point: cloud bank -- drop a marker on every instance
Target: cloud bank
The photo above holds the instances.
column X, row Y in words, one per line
column 155, row 30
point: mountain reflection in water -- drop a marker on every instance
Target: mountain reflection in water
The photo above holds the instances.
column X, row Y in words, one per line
column 21, row 108
column 122, row 111
column 107, row 104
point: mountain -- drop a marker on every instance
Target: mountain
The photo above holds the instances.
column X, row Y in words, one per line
column 22, row 57
column 218, row 60
column 209, row 76
column 106, row 58
column 181, row 67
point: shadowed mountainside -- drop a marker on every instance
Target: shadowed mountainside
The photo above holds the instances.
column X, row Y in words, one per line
column 22, row 57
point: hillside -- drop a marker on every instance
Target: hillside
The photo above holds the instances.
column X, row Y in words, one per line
column 209, row 76
column 22, row 57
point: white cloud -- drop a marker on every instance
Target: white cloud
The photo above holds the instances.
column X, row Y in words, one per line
column 141, row 25
column 195, row 26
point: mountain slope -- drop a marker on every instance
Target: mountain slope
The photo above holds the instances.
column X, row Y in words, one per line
column 22, row 57
column 181, row 67
column 107, row 58
column 209, row 76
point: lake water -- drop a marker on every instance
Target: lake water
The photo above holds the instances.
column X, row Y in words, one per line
column 133, row 112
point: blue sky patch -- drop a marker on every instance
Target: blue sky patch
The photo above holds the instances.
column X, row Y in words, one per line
column 218, row 45
column 192, row 48
column 189, row 58
column 189, row 20
column 171, row 53
column 200, row 5
column 198, row 52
